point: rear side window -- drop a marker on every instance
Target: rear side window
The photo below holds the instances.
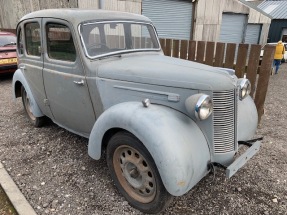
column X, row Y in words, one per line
column 33, row 39
column 20, row 42
column 60, row 44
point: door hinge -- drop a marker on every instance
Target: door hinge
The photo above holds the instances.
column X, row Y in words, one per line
column 46, row 102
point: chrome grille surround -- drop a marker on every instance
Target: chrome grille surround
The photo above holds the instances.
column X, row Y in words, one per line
column 224, row 113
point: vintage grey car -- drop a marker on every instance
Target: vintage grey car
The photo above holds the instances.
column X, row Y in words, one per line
column 164, row 123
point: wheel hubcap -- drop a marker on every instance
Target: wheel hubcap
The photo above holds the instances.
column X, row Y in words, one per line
column 134, row 174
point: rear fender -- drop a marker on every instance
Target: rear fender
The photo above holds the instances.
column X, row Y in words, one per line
column 175, row 142
column 19, row 77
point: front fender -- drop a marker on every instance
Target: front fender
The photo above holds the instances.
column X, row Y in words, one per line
column 19, row 77
column 247, row 119
column 175, row 142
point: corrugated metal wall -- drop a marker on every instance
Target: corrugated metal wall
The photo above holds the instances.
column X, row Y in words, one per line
column 89, row 4
column 275, row 31
column 253, row 32
column 132, row 6
column 11, row 11
column 172, row 18
column 232, row 28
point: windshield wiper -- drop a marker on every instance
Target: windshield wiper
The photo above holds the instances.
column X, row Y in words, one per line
column 9, row 44
column 112, row 55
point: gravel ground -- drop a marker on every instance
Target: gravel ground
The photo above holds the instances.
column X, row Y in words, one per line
column 53, row 170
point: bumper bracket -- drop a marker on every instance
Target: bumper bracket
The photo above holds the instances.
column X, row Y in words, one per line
column 254, row 146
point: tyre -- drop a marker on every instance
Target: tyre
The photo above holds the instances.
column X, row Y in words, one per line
column 36, row 121
column 135, row 174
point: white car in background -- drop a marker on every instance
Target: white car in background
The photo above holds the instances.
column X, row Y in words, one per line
column 274, row 44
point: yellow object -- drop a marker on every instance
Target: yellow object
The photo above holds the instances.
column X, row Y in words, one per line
column 8, row 61
column 279, row 52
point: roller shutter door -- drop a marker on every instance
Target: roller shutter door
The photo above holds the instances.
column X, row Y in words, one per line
column 232, row 28
column 252, row 34
column 172, row 18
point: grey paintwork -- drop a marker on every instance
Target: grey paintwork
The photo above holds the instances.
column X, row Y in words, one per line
column 247, row 115
column 170, row 71
column 170, row 136
column 19, row 77
column 113, row 88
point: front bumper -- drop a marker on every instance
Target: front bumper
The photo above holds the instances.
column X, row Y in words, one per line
column 242, row 159
column 8, row 68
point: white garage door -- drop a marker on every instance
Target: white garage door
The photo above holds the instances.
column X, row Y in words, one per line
column 232, row 28
column 252, row 35
column 172, row 18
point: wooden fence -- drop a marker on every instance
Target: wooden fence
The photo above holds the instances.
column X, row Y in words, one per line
column 224, row 55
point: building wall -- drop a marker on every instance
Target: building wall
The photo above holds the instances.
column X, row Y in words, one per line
column 276, row 30
column 132, row 6
column 13, row 10
column 208, row 18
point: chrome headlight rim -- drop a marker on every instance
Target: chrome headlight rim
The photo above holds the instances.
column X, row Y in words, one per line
column 204, row 101
column 245, row 88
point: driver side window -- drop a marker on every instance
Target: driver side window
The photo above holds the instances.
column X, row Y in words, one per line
column 60, row 44
column 33, row 38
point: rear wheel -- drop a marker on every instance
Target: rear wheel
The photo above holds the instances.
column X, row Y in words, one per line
column 36, row 121
column 135, row 174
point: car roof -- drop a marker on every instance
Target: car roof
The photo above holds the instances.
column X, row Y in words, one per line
column 4, row 33
column 76, row 16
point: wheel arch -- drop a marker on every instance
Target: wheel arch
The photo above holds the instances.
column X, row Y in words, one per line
column 19, row 80
column 17, row 89
column 108, row 135
column 182, row 149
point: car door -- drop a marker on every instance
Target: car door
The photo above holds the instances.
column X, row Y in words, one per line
column 31, row 60
column 64, row 79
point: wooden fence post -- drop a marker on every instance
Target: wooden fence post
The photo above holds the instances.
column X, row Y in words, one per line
column 230, row 55
column 209, row 55
column 241, row 60
column 175, row 49
column 200, row 51
column 162, row 44
column 263, row 80
column 168, row 43
column 183, row 49
column 219, row 55
column 191, row 50
column 252, row 67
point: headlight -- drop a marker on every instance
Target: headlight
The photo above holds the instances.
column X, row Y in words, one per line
column 199, row 105
column 244, row 88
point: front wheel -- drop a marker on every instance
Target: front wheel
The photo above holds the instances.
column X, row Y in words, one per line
column 135, row 174
column 36, row 121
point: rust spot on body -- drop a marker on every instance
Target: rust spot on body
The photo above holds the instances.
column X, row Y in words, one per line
column 181, row 183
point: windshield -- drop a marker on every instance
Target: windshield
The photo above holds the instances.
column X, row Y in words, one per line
column 108, row 38
column 7, row 40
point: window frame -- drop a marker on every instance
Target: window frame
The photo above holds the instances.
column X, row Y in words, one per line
column 47, row 37
column 118, row 52
column 20, row 51
column 25, row 39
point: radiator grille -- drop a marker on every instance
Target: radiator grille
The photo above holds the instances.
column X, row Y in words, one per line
column 224, row 121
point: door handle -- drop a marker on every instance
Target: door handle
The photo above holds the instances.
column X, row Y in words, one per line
column 79, row 82
column 23, row 67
